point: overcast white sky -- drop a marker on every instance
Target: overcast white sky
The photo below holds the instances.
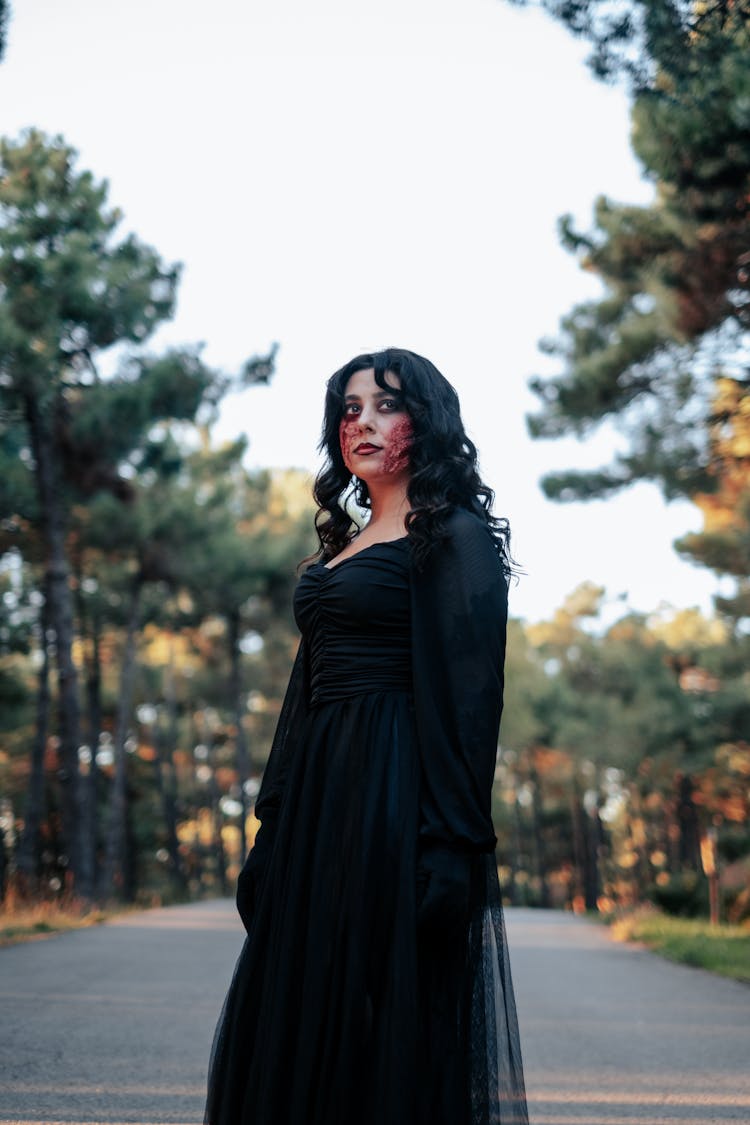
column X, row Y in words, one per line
column 349, row 174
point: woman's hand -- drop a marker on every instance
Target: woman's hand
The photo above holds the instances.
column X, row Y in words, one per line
column 250, row 878
column 246, row 894
column 443, row 877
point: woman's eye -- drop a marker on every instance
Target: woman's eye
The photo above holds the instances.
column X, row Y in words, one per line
column 390, row 403
column 350, row 410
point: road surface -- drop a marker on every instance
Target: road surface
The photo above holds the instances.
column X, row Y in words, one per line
column 113, row 1024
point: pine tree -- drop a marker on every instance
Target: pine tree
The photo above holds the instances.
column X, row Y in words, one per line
column 4, row 17
column 677, row 308
column 71, row 293
column 672, row 331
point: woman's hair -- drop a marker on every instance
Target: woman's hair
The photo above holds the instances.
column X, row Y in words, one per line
column 442, row 459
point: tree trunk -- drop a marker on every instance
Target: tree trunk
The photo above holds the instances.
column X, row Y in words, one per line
column 94, row 705
column 241, row 753
column 218, row 824
column 579, row 848
column 89, row 772
column 594, row 838
column 167, row 782
column 53, row 522
column 687, row 817
column 3, row 867
column 116, row 866
column 29, row 847
column 518, row 858
column 540, row 855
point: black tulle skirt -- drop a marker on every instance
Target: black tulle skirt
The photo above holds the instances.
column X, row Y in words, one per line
column 339, row 1013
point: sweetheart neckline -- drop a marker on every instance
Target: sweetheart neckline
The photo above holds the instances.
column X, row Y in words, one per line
column 361, row 551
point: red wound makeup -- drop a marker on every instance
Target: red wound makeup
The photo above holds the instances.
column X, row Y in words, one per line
column 349, row 436
column 396, row 452
column 394, row 439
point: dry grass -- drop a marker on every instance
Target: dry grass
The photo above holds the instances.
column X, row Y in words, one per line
column 21, row 920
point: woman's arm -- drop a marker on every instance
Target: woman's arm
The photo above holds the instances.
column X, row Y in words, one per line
column 273, row 785
column 459, row 615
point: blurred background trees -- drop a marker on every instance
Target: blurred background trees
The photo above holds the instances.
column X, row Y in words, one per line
column 660, row 361
column 663, row 354
column 621, row 747
column 146, row 575
column 98, row 483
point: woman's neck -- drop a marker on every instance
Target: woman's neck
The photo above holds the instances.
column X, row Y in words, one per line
column 389, row 505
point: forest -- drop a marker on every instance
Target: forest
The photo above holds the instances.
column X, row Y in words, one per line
column 146, row 574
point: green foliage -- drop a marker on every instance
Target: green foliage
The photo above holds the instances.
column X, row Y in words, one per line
column 111, row 417
column 19, row 602
column 68, row 289
column 685, row 895
column 18, row 497
column 721, row 949
column 73, row 293
column 4, row 18
column 725, row 549
column 639, row 38
column 526, row 687
column 626, row 744
column 676, row 309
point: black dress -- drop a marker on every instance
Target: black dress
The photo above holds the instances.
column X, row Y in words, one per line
column 358, row 998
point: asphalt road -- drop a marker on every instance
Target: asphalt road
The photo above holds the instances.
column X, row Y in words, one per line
column 613, row 1034
column 114, row 1024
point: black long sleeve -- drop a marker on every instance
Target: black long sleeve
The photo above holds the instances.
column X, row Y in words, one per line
column 268, row 803
column 459, row 616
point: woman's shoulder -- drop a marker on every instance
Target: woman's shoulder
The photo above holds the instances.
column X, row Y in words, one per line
column 463, row 562
column 468, row 533
column 461, row 521
column 465, row 538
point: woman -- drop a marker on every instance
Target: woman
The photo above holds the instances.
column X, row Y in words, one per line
column 374, row 984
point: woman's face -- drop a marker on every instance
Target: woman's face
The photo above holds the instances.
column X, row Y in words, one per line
column 375, row 431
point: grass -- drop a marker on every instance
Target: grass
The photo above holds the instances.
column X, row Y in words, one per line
column 722, row 949
column 27, row 921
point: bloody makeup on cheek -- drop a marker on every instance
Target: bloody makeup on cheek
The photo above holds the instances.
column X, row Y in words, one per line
column 349, row 436
column 396, row 452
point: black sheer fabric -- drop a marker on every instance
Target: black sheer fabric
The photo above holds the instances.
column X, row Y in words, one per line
column 374, row 983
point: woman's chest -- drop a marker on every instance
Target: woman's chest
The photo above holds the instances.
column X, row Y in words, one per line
column 367, row 595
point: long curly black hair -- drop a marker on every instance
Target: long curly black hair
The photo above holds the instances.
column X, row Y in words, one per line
column 442, row 460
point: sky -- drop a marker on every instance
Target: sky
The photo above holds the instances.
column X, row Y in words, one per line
column 347, row 175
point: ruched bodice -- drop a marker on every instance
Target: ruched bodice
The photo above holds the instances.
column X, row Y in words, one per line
column 356, row 617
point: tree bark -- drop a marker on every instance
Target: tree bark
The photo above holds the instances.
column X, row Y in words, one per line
column 579, row 845
column 89, row 631
column 687, row 817
column 242, row 757
column 517, row 856
column 167, row 782
column 116, row 867
column 27, row 856
column 218, row 823
column 594, row 837
column 57, row 585
column 540, row 855
column 94, row 705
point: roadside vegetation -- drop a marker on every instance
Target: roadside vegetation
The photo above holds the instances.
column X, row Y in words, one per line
column 27, row 921
column 723, row 949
